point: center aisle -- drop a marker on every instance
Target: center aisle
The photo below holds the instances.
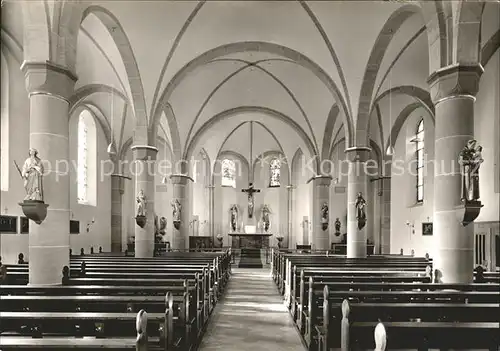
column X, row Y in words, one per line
column 251, row 316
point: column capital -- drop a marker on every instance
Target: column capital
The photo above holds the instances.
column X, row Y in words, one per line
column 180, row 179
column 358, row 153
column 144, row 152
column 47, row 78
column 321, row 179
column 455, row 81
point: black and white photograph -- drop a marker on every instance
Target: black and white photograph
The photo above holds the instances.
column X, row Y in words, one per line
column 226, row 175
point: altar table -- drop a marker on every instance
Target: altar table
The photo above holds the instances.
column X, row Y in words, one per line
column 250, row 241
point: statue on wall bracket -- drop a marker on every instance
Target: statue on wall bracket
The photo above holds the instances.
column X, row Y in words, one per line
column 140, row 217
column 33, row 205
column 470, row 159
column 176, row 213
column 265, row 218
column 324, row 216
column 233, row 217
column 337, row 227
column 360, row 211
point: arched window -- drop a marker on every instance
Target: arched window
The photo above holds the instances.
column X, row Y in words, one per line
column 228, row 173
column 4, row 128
column 274, row 173
column 420, row 145
column 86, row 176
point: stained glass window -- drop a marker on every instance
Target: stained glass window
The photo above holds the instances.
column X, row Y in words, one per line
column 228, row 173
column 274, row 172
column 419, row 137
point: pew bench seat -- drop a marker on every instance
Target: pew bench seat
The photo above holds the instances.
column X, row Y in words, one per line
column 428, row 335
column 60, row 290
column 111, row 324
column 86, row 303
column 82, row 344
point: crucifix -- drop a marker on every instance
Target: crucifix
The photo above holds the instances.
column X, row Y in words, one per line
column 250, row 190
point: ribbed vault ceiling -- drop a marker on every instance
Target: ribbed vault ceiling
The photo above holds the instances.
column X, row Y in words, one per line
column 220, row 64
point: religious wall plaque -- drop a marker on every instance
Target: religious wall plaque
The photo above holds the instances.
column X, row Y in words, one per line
column 25, row 225
column 427, row 228
column 74, row 227
column 8, row 224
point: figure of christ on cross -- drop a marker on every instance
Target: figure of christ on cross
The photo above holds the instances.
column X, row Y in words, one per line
column 250, row 190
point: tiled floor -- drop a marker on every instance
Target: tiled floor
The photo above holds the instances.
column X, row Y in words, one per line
column 251, row 316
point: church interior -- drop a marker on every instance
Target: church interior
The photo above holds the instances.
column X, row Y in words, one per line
column 222, row 175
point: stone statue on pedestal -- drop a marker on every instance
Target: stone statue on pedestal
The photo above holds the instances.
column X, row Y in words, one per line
column 32, row 174
column 470, row 159
column 360, row 211
column 324, row 216
column 141, row 204
column 266, row 222
column 337, row 227
column 176, row 210
column 233, row 217
column 163, row 225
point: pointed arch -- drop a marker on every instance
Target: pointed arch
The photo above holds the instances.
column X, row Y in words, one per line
column 124, row 47
column 243, row 109
column 379, row 49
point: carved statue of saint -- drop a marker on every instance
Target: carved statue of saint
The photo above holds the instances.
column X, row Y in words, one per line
column 32, row 174
column 234, row 217
column 324, row 213
column 141, row 204
column 266, row 222
column 176, row 210
column 337, row 225
column 470, row 159
column 360, row 210
column 163, row 225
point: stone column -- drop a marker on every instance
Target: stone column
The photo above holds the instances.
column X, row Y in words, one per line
column 453, row 91
column 211, row 213
column 49, row 87
column 145, row 162
column 117, row 191
column 180, row 235
column 290, row 189
column 321, row 196
column 356, row 183
column 385, row 216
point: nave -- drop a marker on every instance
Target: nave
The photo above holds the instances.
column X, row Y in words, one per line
column 303, row 299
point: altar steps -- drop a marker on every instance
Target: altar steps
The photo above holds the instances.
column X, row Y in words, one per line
column 250, row 258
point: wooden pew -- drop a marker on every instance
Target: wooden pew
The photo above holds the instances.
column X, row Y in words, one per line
column 290, row 263
column 321, row 318
column 139, row 342
column 424, row 336
column 192, row 288
column 333, row 327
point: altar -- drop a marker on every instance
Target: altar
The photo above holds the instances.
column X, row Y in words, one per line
column 250, row 241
